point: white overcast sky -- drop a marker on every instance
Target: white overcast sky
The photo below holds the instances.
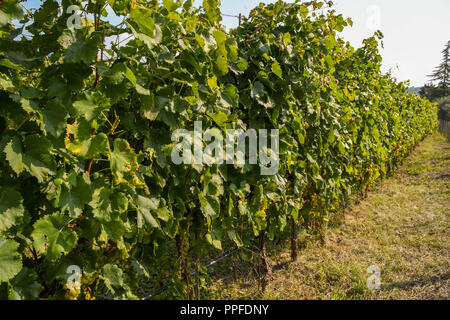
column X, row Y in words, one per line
column 415, row 31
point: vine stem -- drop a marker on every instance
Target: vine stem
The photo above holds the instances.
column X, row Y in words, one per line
column 23, row 122
column 294, row 239
column 265, row 265
column 97, row 25
column 90, row 166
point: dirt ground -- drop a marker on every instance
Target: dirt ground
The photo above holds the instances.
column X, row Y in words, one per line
column 401, row 228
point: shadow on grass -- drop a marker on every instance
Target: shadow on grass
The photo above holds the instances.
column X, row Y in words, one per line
column 416, row 283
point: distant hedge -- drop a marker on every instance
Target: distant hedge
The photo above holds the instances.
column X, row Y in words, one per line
column 444, row 108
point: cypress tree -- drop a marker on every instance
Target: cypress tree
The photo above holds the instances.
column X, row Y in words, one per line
column 442, row 72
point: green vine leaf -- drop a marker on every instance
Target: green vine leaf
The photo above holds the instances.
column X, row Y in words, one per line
column 112, row 276
column 25, row 286
column 10, row 260
column 73, row 200
column 11, row 208
column 53, row 237
column 123, row 160
column 33, row 156
column 276, row 69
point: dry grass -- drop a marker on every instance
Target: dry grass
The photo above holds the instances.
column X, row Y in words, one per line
column 402, row 227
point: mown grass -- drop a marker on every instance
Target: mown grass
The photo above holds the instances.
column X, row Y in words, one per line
column 402, row 227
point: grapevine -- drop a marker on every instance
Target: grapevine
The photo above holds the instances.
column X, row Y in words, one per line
column 86, row 118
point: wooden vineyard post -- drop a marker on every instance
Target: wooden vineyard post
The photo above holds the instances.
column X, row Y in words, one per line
column 266, row 270
column 294, row 240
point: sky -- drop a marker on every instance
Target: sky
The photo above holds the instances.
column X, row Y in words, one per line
column 415, row 31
